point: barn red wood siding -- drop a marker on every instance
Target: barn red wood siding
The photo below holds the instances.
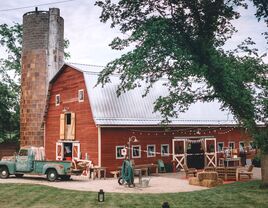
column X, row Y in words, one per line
column 8, row 149
column 112, row 137
column 67, row 85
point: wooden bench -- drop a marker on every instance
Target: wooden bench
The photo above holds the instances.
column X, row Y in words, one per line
column 97, row 171
column 227, row 173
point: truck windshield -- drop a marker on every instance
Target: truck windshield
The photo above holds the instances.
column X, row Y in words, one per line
column 23, row 152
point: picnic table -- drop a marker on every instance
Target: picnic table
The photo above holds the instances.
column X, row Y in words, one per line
column 146, row 167
column 236, row 161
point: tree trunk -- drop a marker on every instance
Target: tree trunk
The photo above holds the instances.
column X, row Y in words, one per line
column 264, row 170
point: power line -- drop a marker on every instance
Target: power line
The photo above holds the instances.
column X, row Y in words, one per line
column 26, row 7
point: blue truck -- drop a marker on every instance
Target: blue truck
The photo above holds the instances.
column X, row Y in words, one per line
column 25, row 163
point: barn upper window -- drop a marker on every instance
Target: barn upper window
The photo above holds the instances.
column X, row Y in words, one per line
column 68, row 118
column 81, row 95
column 57, row 100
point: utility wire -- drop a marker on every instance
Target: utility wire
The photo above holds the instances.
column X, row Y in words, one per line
column 26, row 7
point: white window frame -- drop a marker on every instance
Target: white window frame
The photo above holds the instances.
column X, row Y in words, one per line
column 241, row 143
column 165, row 154
column 119, row 146
column 81, row 100
column 222, row 150
column 132, row 148
column 231, row 143
column 57, row 96
column 153, row 153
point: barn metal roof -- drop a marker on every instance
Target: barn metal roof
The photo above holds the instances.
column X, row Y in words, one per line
column 131, row 108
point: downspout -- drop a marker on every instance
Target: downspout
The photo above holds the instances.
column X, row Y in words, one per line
column 44, row 135
column 99, row 146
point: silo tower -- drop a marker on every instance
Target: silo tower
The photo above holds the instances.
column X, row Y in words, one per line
column 42, row 57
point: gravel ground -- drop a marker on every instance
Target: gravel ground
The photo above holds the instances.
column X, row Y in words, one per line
column 162, row 183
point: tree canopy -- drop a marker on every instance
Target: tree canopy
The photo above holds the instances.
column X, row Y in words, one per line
column 183, row 41
column 10, row 70
column 11, row 40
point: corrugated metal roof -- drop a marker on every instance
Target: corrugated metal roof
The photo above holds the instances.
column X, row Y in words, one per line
column 131, row 108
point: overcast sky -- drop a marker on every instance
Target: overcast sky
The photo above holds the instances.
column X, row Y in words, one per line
column 89, row 38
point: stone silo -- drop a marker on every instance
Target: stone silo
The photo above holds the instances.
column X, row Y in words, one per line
column 42, row 57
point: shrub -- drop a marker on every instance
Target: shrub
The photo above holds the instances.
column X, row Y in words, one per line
column 256, row 161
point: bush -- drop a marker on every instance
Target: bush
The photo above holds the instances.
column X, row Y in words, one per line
column 256, row 161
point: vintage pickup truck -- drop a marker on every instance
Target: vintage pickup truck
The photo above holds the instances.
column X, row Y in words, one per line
column 25, row 163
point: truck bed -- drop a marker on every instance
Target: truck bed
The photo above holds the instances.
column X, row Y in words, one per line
column 39, row 164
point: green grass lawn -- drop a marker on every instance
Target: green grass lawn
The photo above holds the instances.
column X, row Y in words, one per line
column 239, row 194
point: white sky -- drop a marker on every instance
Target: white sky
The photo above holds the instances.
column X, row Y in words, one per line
column 89, row 38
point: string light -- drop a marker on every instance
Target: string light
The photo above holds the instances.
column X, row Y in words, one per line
column 187, row 131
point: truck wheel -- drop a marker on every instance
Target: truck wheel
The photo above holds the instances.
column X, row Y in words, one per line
column 4, row 172
column 65, row 177
column 52, row 175
column 18, row 175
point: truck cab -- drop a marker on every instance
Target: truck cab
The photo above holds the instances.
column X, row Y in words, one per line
column 24, row 160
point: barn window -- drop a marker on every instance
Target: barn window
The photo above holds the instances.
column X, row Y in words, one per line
column 118, row 152
column 151, row 150
column 231, row 145
column 57, row 100
column 68, row 118
column 220, row 146
column 164, row 150
column 81, row 95
column 23, row 152
column 241, row 145
column 136, row 151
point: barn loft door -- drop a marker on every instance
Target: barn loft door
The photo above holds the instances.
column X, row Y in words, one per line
column 67, row 126
column 62, row 124
column 72, row 127
column 59, row 151
column 76, row 151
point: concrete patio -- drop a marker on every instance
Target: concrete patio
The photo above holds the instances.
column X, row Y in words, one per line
column 162, row 183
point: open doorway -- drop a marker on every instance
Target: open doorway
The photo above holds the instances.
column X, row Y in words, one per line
column 195, row 154
column 67, row 151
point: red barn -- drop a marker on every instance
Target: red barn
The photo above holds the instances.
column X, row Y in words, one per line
column 87, row 121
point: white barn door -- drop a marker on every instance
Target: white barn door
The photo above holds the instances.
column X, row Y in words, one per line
column 181, row 156
column 59, row 151
column 76, row 151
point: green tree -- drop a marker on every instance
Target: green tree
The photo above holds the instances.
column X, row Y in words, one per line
column 10, row 69
column 11, row 40
column 183, row 40
column 262, row 10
